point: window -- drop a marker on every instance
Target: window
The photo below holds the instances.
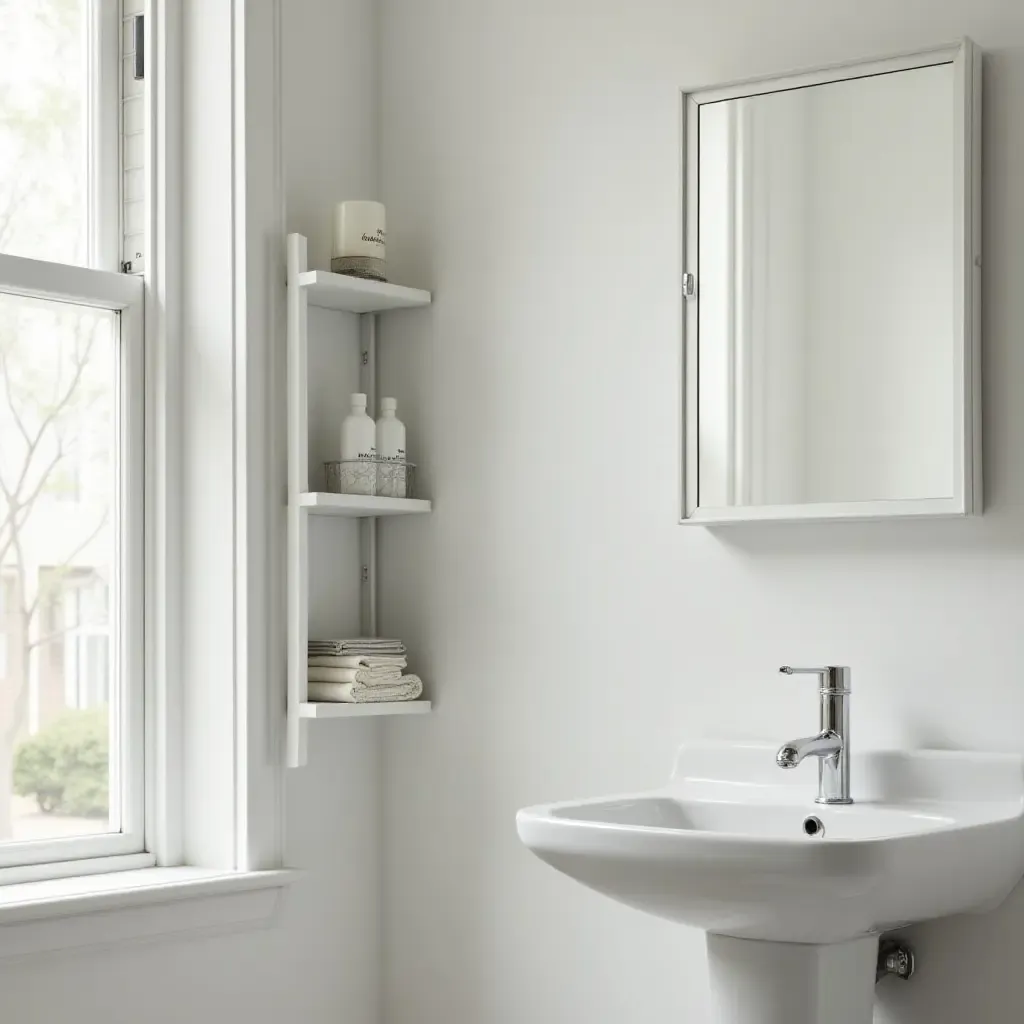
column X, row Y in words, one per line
column 71, row 438
column 86, row 642
column 4, row 604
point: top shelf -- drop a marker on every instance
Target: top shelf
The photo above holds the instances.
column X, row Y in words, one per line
column 358, row 295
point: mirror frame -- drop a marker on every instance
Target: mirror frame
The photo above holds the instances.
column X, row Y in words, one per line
column 967, row 498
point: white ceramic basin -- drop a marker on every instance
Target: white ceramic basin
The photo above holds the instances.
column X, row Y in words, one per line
column 722, row 847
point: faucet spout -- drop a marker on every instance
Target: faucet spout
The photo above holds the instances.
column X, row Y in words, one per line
column 825, row 745
column 832, row 744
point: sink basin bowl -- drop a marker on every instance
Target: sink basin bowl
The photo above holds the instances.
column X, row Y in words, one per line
column 724, row 846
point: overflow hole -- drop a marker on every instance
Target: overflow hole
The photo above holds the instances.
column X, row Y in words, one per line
column 814, row 827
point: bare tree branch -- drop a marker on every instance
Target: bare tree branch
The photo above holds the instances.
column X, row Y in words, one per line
column 50, row 637
column 19, row 508
column 19, row 196
column 11, row 404
column 39, row 207
column 57, row 409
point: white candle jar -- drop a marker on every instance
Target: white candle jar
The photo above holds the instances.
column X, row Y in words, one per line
column 359, row 239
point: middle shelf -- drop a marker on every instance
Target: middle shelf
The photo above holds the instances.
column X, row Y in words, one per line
column 359, row 506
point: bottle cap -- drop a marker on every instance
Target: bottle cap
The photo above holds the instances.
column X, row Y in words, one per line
column 359, row 399
column 388, row 404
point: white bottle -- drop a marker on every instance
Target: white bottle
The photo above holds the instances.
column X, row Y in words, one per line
column 358, row 450
column 391, row 449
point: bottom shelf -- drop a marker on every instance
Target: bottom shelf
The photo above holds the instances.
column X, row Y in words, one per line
column 322, row 709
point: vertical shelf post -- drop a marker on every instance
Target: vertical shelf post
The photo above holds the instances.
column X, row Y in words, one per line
column 368, row 576
column 368, row 527
column 298, row 481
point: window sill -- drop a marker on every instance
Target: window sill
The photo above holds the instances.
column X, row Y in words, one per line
column 71, row 913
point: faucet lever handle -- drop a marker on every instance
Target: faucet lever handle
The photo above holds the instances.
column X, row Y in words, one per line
column 831, row 678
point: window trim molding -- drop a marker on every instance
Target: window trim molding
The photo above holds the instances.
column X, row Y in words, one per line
column 68, row 915
column 215, row 723
column 261, row 473
column 232, row 245
column 164, row 552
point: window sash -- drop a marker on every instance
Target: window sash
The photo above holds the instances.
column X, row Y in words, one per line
column 123, row 294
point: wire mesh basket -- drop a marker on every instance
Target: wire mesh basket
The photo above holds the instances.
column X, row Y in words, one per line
column 383, row 478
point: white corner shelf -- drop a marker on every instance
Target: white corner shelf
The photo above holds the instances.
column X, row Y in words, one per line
column 359, row 506
column 323, row 709
column 358, row 295
column 365, row 299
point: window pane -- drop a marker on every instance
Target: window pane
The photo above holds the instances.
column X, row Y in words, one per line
column 44, row 102
column 58, row 557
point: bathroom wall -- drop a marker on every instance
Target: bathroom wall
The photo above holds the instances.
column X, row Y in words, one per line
column 571, row 633
column 318, row 963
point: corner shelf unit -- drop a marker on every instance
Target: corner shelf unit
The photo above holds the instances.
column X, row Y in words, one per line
column 366, row 299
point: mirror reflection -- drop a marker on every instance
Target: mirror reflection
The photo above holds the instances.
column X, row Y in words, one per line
column 826, row 348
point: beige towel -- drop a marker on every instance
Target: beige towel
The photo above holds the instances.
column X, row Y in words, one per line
column 357, row 645
column 407, row 688
column 359, row 661
column 365, row 676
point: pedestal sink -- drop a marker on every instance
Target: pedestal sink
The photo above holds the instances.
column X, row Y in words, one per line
column 793, row 895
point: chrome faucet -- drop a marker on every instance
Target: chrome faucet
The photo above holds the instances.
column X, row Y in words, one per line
column 832, row 745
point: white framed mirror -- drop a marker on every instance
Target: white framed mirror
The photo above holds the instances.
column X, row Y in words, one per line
column 831, row 290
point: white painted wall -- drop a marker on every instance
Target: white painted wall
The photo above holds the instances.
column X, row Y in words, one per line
column 318, row 964
column 571, row 633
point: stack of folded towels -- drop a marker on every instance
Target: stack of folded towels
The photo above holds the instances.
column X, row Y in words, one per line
column 365, row 670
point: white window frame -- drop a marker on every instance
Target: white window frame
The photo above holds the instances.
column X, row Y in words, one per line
column 122, row 294
column 214, row 375
column 102, row 285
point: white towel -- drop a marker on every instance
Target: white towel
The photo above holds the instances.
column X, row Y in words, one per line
column 358, row 661
column 407, row 688
column 366, row 676
column 357, row 645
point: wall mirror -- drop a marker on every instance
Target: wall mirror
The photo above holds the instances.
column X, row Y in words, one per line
column 832, row 271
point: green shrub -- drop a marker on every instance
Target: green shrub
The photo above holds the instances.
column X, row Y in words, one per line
column 64, row 766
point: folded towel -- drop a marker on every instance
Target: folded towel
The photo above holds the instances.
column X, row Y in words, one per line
column 407, row 688
column 358, row 661
column 366, row 676
column 357, row 645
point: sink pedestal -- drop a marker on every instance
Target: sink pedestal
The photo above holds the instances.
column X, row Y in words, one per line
column 784, row 983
